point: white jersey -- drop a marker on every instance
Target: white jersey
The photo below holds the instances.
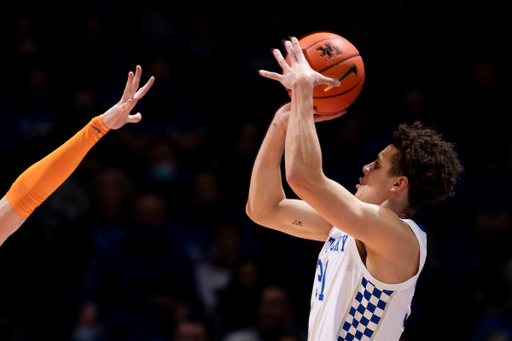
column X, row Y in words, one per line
column 348, row 303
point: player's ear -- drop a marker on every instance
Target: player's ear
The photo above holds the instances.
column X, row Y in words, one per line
column 401, row 183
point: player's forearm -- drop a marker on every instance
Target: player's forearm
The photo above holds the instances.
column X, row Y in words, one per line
column 40, row 180
column 10, row 221
column 266, row 188
column 303, row 156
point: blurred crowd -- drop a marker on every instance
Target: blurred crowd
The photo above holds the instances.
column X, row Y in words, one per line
column 149, row 240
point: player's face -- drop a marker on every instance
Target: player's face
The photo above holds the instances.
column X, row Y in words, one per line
column 375, row 185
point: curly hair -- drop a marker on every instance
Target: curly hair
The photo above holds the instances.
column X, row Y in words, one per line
column 430, row 164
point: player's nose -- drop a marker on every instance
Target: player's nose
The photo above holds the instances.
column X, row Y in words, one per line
column 366, row 169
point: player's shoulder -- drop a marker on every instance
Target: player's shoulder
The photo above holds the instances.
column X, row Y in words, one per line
column 389, row 217
column 389, row 230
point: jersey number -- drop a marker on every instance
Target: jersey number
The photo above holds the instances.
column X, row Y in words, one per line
column 321, row 278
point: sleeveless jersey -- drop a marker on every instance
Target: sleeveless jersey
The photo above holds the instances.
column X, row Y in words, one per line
column 348, row 303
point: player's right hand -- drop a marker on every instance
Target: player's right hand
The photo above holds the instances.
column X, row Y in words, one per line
column 298, row 70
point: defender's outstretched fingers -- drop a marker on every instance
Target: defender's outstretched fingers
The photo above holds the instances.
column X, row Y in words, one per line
column 134, row 118
column 128, row 87
column 142, row 91
column 136, row 79
column 127, row 106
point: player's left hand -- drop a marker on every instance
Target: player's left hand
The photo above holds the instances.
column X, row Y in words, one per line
column 298, row 70
column 119, row 114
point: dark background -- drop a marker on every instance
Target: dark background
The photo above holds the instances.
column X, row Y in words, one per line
column 121, row 249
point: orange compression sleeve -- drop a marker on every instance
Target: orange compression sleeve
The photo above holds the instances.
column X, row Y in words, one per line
column 41, row 179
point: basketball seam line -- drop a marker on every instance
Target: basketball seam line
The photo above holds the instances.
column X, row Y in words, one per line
column 342, row 93
column 341, row 61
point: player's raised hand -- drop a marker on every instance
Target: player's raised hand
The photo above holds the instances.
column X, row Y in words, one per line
column 298, row 69
column 119, row 114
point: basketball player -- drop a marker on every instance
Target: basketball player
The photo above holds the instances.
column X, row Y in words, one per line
column 373, row 253
column 34, row 185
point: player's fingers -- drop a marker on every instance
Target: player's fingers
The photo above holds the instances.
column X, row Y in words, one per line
column 127, row 106
column 136, row 79
column 280, row 59
column 134, row 118
column 320, row 118
column 291, row 52
column 128, row 87
column 272, row 75
column 331, row 82
column 142, row 91
column 298, row 50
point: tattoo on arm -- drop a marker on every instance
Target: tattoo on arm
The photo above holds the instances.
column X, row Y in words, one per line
column 297, row 222
column 274, row 124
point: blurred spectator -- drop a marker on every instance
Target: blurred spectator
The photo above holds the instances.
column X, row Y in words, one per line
column 496, row 322
column 238, row 301
column 498, row 337
column 88, row 327
column 192, row 330
column 112, row 194
column 204, row 203
column 216, row 270
column 238, row 152
column 290, row 337
column 274, row 318
column 139, row 283
column 162, row 167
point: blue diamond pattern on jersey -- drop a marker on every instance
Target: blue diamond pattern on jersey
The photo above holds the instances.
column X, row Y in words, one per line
column 366, row 312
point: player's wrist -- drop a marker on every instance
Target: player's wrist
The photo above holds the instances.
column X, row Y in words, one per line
column 107, row 119
column 100, row 124
column 303, row 86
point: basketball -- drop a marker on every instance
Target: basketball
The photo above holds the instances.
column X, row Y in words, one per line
column 335, row 57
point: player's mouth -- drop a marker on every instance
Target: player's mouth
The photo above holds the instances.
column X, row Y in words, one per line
column 360, row 184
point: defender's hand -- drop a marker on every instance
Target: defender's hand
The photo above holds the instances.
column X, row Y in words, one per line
column 119, row 114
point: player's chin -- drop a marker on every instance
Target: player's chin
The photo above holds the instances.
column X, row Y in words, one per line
column 357, row 194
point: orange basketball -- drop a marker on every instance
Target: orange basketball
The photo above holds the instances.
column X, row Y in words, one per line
column 335, row 57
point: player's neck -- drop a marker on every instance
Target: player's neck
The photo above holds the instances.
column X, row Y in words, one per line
column 400, row 206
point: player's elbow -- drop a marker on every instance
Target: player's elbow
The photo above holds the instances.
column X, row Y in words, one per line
column 249, row 210
column 294, row 176
column 254, row 212
column 300, row 180
column 260, row 212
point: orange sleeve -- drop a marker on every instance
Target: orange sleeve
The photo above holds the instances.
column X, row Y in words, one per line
column 41, row 179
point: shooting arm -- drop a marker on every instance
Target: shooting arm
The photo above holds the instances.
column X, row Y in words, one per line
column 267, row 204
